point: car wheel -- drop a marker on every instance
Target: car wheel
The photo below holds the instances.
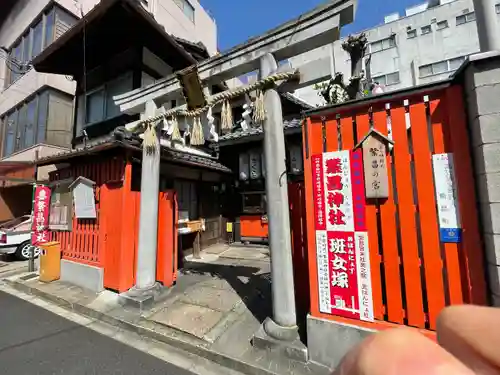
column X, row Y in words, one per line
column 24, row 250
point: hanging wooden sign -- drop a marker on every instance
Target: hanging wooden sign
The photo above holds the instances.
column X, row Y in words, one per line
column 375, row 147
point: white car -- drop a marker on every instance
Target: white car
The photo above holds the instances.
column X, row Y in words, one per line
column 15, row 238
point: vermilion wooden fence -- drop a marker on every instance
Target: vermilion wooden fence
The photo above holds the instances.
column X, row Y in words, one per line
column 82, row 244
column 414, row 275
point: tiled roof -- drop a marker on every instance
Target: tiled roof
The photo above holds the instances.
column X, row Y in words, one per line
column 287, row 124
column 118, row 139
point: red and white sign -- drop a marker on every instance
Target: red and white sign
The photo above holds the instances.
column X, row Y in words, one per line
column 341, row 239
column 40, row 223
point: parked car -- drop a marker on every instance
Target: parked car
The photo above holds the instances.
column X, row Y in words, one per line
column 15, row 238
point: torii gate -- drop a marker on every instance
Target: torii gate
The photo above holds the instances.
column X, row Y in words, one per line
column 314, row 29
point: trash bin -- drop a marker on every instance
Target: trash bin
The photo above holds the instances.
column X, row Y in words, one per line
column 50, row 261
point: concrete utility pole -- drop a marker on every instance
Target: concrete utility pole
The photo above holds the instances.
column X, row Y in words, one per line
column 283, row 325
column 487, row 27
column 148, row 222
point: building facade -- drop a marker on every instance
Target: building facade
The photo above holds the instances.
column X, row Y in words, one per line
column 38, row 107
column 425, row 45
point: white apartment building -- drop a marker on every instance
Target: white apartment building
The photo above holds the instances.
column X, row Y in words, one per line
column 425, row 45
column 37, row 107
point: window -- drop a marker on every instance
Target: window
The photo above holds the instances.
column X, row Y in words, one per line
column 497, row 8
column 26, row 125
column 464, row 18
column 100, row 105
column 37, row 39
column 10, row 134
column 383, row 44
column 410, row 34
column 187, row 199
column 388, row 79
column 29, row 133
column 49, row 29
column 455, row 63
column 442, row 25
column 441, row 67
column 95, row 106
column 43, row 110
column 426, row 29
column 187, row 8
column 38, row 36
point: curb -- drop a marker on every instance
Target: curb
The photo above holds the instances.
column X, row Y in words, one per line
column 200, row 351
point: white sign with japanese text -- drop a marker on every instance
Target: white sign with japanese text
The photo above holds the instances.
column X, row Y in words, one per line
column 446, row 198
column 342, row 254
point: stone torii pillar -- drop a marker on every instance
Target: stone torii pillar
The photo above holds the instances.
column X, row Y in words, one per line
column 146, row 289
column 281, row 330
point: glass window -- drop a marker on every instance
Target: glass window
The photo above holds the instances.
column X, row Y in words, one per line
column 29, row 134
column 442, row 25
column 10, row 134
column 461, row 20
column 43, row 104
column 119, row 86
column 376, row 46
column 440, row 67
column 411, row 34
column 49, row 29
column 21, row 127
column 189, row 11
column 37, row 39
column 470, row 17
column 27, row 47
column 16, row 60
column 426, row 29
column 95, row 106
column 455, row 63
column 497, row 8
column 388, row 43
column 425, row 70
column 393, row 78
column 381, row 80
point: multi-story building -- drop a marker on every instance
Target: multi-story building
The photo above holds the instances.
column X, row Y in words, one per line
column 425, row 45
column 38, row 107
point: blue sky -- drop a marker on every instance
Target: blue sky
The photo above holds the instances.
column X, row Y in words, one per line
column 239, row 20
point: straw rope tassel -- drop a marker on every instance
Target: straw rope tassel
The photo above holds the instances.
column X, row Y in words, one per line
column 197, row 137
column 259, row 113
column 176, row 134
column 150, row 138
column 227, row 116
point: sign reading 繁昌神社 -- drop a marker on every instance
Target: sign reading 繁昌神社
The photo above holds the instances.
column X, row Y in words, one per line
column 40, row 221
column 342, row 252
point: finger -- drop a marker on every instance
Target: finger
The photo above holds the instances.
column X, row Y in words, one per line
column 472, row 334
column 400, row 351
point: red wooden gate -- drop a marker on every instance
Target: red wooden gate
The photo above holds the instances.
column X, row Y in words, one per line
column 414, row 275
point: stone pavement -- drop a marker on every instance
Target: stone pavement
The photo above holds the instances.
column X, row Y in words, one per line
column 9, row 266
column 213, row 311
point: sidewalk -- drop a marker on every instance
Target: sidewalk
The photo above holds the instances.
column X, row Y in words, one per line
column 10, row 266
column 213, row 311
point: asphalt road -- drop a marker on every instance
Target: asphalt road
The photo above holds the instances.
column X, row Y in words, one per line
column 36, row 341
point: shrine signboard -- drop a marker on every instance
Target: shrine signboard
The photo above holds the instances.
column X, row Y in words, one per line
column 342, row 251
column 40, row 222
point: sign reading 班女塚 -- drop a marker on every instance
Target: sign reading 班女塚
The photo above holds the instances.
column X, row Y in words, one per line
column 342, row 252
column 40, row 222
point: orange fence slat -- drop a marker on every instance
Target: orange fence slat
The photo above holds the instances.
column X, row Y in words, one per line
column 388, row 229
column 474, row 280
column 312, row 140
column 406, row 210
column 437, row 109
column 433, row 264
column 363, row 126
column 347, row 131
column 331, row 135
